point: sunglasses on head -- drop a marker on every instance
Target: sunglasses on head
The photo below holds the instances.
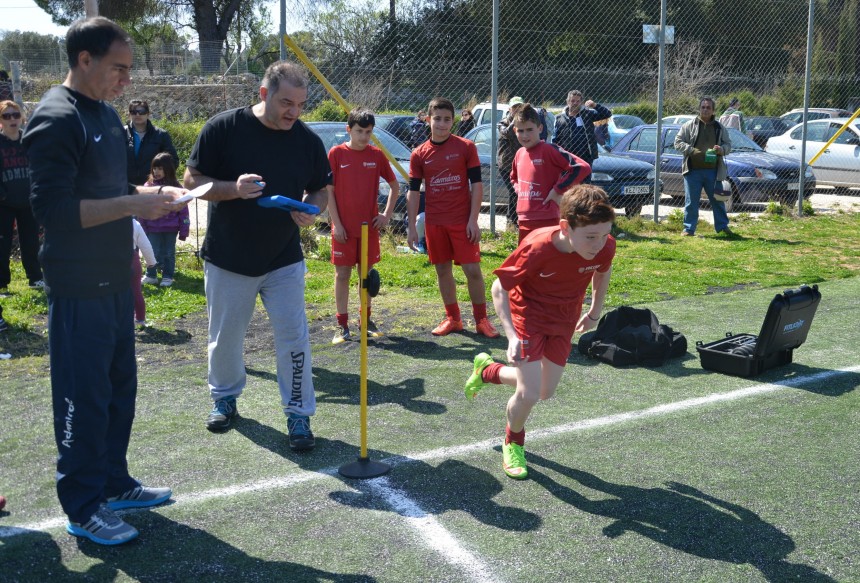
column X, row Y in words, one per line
column 11, row 115
column 139, row 112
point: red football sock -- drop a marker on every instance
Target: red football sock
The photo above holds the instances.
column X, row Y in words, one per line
column 519, row 438
column 453, row 311
column 343, row 320
column 492, row 373
column 479, row 311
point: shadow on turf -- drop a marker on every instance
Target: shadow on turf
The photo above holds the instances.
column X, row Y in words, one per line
column 683, row 518
column 430, row 487
column 432, row 350
column 170, row 551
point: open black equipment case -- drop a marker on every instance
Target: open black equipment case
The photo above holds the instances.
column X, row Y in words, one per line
column 785, row 327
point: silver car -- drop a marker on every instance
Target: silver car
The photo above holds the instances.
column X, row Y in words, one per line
column 839, row 165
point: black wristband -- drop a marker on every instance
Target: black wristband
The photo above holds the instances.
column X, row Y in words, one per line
column 590, row 318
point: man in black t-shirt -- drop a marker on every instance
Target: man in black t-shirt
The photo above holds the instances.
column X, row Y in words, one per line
column 80, row 195
column 250, row 250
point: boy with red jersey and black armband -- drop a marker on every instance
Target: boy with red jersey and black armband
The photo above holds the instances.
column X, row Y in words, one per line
column 538, row 296
column 541, row 173
column 356, row 168
column 451, row 171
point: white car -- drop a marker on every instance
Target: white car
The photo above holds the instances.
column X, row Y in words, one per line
column 839, row 165
column 678, row 119
column 483, row 114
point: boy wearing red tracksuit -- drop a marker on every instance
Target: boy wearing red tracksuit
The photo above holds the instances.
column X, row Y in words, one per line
column 538, row 297
column 541, row 173
column 451, row 171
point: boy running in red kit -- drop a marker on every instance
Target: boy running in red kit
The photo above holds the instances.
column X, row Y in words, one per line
column 541, row 173
column 538, row 296
column 356, row 168
column 447, row 164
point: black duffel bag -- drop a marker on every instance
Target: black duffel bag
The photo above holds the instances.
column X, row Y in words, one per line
column 632, row 336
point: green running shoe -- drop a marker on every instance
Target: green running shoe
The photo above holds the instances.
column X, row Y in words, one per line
column 514, row 461
column 475, row 382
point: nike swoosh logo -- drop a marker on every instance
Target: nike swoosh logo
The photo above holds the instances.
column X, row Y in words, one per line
column 429, row 162
column 547, row 274
column 344, row 165
column 98, row 138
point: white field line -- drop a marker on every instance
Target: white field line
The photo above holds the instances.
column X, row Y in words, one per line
column 433, row 534
column 449, row 452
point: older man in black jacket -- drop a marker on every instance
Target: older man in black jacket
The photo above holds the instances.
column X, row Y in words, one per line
column 144, row 141
column 574, row 128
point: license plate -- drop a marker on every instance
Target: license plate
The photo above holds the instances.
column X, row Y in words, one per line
column 793, row 186
column 637, row 189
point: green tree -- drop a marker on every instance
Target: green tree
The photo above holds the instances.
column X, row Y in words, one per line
column 41, row 52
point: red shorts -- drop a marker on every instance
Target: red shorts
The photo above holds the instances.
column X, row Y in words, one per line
column 450, row 243
column 527, row 227
column 556, row 349
column 349, row 252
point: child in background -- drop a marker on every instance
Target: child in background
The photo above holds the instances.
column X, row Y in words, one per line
column 538, row 297
column 162, row 232
column 540, row 173
column 141, row 242
column 356, row 168
column 447, row 164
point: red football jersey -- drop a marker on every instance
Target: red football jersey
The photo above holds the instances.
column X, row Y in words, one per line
column 355, row 175
column 547, row 287
column 448, row 195
column 537, row 171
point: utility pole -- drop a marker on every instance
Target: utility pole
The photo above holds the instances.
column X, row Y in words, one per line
column 91, row 7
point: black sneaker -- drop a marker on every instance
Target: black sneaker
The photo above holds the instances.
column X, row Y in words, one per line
column 373, row 331
column 342, row 335
column 301, row 436
column 222, row 414
column 104, row 527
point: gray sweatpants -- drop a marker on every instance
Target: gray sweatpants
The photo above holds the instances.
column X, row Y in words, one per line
column 230, row 300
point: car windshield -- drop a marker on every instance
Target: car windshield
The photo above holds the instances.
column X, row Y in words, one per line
column 627, row 122
column 333, row 134
column 741, row 143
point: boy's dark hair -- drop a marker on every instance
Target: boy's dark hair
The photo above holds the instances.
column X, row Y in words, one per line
column 362, row 117
column 135, row 103
column 586, row 204
column 525, row 114
column 440, row 103
column 164, row 161
column 94, row 35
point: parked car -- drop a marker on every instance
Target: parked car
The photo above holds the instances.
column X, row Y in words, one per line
column 753, row 174
column 629, row 183
column 762, row 128
column 796, row 115
column 839, row 165
column 396, row 125
column 483, row 114
column 620, row 124
column 678, row 119
column 334, row 133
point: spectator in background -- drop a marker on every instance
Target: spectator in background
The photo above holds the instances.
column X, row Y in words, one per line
column 705, row 143
column 142, row 246
column 467, row 122
column 144, row 141
column 163, row 232
column 733, row 117
column 574, row 128
column 5, row 86
column 419, row 130
column 508, row 146
column 15, row 199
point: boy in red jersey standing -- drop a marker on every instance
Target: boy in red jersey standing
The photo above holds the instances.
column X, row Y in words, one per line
column 451, row 171
column 538, row 296
column 356, row 168
column 541, row 173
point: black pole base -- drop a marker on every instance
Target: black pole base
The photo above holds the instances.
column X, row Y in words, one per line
column 363, row 469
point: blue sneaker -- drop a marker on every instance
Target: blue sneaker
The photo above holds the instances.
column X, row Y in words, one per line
column 139, row 497
column 104, row 528
column 222, row 414
column 301, row 436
